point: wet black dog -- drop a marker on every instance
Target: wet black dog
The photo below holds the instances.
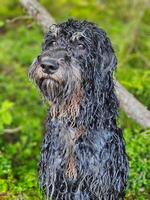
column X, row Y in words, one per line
column 83, row 153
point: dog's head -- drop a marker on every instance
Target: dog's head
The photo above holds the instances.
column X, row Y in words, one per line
column 75, row 55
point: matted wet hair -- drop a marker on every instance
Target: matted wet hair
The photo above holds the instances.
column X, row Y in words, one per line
column 83, row 152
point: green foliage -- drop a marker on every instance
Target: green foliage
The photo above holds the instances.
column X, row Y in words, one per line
column 22, row 111
column 5, row 115
column 139, row 158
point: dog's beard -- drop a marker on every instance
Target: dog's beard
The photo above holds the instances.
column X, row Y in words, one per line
column 51, row 89
column 57, row 92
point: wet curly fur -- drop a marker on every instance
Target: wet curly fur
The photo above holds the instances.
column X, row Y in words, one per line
column 83, row 152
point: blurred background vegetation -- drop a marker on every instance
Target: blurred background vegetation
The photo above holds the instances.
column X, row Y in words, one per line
column 22, row 110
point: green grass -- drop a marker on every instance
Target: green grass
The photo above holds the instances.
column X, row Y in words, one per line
column 21, row 105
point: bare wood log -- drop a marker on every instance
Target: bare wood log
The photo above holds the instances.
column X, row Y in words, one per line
column 39, row 14
column 133, row 108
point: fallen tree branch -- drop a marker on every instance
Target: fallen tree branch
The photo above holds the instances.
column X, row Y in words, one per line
column 39, row 14
column 24, row 17
column 133, row 108
column 14, row 130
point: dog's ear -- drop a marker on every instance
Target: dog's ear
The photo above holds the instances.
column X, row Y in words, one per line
column 105, row 64
column 106, row 60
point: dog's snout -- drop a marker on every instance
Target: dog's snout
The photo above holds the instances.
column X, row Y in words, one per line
column 49, row 65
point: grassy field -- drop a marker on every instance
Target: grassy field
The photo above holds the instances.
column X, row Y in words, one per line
column 21, row 105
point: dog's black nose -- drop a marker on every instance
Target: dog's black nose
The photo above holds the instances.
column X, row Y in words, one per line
column 49, row 65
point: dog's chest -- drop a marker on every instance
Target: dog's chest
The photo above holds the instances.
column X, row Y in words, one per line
column 63, row 141
column 70, row 147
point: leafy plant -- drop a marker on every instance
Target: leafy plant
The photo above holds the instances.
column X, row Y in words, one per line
column 5, row 114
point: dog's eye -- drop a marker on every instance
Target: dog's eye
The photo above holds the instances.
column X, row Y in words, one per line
column 81, row 46
column 52, row 43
